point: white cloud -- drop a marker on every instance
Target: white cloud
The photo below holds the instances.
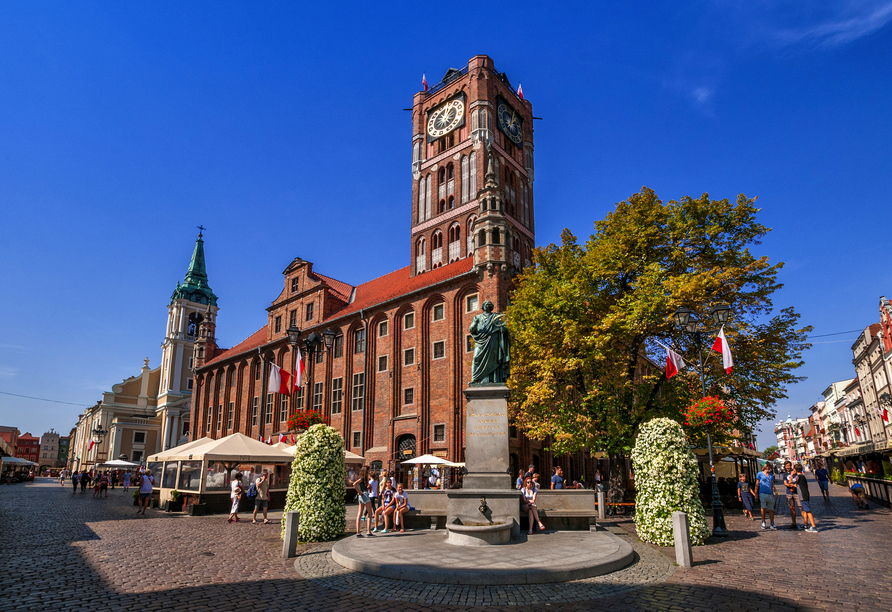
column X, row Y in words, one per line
column 701, row 94
column 7, row 372
column 852, row 21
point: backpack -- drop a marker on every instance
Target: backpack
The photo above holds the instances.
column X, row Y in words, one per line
column 252, row 491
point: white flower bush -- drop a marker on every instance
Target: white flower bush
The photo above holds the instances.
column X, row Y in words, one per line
column 666, row 482
column 316, row 489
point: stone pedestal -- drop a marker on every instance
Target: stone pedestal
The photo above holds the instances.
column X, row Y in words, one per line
column 486, row 441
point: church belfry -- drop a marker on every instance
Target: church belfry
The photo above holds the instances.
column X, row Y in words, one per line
column 472, row 138
column 192, row 308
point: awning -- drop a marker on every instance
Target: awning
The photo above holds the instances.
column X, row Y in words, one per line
column 172, row 453
column 430, row 460
column 16, row 461
column 118, row 463
column 233, row 448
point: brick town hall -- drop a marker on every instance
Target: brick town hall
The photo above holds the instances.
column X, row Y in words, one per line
column 391, row 383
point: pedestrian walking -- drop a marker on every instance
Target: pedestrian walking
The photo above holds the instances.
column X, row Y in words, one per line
column 114, row 478
column 261, row 501
column 746, row 494
column 145, row 491
column 85, row 480
column 823, row 478
column 557, row 481
column 103, row 484
column 361, row 485
column 62, row 478
column 804, row 498
column 74, row 478
column 767, row 495
column 790, row 484
column 126, row 481
column 235, row 495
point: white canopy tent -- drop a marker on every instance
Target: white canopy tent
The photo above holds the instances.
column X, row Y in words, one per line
column 431, row 460
column 117, row 463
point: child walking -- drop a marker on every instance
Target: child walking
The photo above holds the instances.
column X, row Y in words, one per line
column 746, row 494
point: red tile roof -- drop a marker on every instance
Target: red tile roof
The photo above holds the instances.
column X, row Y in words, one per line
column 399, row 283
column 372, row 293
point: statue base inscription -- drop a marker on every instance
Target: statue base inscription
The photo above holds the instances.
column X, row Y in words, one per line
column 486, row 438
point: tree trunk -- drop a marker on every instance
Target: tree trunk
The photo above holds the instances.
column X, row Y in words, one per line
column 616, row 480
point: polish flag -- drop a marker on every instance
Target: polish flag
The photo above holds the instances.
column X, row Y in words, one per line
column 299, row 374
column 260, row 437
column 424, row 81
column 92, row 443
column 885, row 415
column 278, row 379
column 857, row 432
column 283, row 438
column 292, row 439
column 520, row 91
column 674, row 362
column 721, row 346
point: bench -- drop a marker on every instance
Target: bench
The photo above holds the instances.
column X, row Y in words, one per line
column 565, row 509
column 430, row 509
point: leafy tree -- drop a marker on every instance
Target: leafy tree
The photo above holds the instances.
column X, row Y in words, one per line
column 585, row 320
column 769, row 452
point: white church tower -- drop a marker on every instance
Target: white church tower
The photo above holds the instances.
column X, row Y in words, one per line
column 191, row 304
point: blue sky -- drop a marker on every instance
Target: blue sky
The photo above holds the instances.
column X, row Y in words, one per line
column 281, row 129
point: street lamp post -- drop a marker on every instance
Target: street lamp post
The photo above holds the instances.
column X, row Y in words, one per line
column 313, row 343
column 685, row 322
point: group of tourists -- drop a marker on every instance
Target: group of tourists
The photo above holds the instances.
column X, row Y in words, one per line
column 394, row 503
column 101, row 481
column 797, row 495
column 258, row 492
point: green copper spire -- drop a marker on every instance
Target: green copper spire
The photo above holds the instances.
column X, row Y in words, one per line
column 195, row 288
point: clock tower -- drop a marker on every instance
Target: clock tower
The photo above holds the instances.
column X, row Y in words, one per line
column 472, row 172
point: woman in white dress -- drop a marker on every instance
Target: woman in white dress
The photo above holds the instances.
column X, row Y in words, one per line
column 236, row 496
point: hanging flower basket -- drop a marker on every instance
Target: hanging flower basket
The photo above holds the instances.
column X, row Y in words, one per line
column 301, row 421
column 709, row 411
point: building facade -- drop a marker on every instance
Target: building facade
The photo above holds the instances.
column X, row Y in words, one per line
column 867, row 357
column 49, row 449
column 28, row 447
column 9, row 438
column 392, row 380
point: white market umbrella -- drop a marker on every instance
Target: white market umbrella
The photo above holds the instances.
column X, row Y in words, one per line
column 118, row 463
column 430, row 460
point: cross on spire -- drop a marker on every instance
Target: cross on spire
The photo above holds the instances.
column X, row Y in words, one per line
column 201, row 229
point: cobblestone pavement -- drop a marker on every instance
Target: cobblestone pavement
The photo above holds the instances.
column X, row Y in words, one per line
column 70, row 552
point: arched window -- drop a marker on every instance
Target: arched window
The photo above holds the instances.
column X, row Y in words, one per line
column 441, row 190
column 420, row 258
column 450, row 186
column 470, row 235
column 464, row 179
column 454, row 242
column 496, row 168
column 472, row 169
column 421, row 200
column 427, row 197
column 437, row 249
column 496, row 236
column 481, row 238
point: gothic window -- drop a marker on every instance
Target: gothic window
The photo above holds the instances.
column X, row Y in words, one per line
column 195, row 320
column 420, row 259
column 427, row 197
column 450, row 186
column 416, row 152
column 437, row 249
column 470, row 234
column 481, row 238
column 256, row 370
column 496, row 167
column 472, row 169
column 421, row 184
column 496, row 236
column 454, row 242
column 464, row 179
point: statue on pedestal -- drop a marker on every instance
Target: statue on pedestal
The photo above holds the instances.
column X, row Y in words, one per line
column 492, row 348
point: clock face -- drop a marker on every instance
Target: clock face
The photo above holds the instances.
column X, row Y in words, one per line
column 446, row 118
column 510, row 123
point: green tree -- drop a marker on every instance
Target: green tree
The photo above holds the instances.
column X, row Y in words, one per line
column 666, row 481
column 316, row 488
column 585, row 321
column 768, row 452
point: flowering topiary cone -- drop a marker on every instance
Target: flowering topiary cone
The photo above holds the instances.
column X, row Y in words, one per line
column 666, row 482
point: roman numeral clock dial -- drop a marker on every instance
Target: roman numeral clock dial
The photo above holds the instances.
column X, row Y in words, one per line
column 446, row 118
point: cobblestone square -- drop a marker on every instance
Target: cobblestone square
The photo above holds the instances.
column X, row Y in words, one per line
column 66, row 552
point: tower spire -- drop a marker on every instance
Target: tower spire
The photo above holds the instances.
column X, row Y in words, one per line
column 195, row 286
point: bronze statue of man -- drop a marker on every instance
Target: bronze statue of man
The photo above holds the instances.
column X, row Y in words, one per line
column 492, row 348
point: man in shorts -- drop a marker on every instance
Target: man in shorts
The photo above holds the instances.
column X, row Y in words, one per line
column 804, row 497
column 261, row 502
column 145, row 491
column 823, row 478
column 792, row 499
column 767, row 494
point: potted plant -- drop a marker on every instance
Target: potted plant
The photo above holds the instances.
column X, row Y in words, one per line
column 302, row 421
column 175, row 504
column 136, row 498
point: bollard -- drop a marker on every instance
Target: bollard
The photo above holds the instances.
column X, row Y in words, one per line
column 602, row 505
column 681, row 529
column 289, row 546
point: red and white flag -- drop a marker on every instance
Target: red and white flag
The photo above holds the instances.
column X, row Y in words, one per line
column 424, row 81
column 292, row 439
column 674, row 362
column 278, row 379
column 721, row 345
column 283, row 438
column 92, row 443
column 857, row 432
column 885, row 415
column 520, row 91
column 299, row 373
